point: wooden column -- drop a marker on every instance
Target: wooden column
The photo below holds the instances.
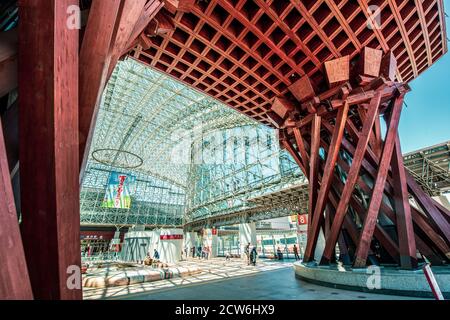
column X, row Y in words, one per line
column 14, row 279
column 49, row 164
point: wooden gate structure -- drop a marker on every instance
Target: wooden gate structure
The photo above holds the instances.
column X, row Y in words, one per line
column 321, row 72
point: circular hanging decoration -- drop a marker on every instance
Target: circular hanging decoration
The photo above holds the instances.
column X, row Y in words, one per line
column 117, row 158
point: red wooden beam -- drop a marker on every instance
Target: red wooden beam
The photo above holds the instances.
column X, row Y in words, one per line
column 379, row 233
column 313, row 166
column 150, row 10
column 418, row 218
column 326, row 181
column 95, row 57
column 422, row 223
column 377, row 194
column 14, row 279
column 428, row 206
column 290, row 148
column 8, row 61
column 301, row 149
column 352, row 177
column 405, row 230
column 49, row 163
column 129, row 14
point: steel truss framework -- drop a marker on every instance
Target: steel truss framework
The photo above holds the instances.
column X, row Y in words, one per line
column 358, row 186
column 431, row 168
column 199, row 159
column 246, row 162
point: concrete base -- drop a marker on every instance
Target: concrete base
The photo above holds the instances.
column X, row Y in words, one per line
column 385, row 280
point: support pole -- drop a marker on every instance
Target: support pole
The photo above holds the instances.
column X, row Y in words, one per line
column 49, row 163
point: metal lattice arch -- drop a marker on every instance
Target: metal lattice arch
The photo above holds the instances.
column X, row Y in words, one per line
column 193, row 157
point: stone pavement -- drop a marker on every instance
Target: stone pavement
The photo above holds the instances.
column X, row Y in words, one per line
column 232, row 280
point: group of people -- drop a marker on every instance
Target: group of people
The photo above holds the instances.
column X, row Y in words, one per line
column 200, row 252
column 279, row 254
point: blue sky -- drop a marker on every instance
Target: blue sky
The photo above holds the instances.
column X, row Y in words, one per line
column 426, row 119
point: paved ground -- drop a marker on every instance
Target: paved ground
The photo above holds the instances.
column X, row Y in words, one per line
column 222, row 280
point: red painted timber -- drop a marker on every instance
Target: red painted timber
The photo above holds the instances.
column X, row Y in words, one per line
column 301, row 149
column 352, row 176
column 377, row 193
column 49, row 163
column 428, row 206
column 405, row 230
column 333, row 151
column 8, row 61
column 14, row 279
column 314, row 166
column 290, row 148
column 95, row 57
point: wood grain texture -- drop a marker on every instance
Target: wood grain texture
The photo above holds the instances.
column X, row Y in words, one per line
column 49, row 163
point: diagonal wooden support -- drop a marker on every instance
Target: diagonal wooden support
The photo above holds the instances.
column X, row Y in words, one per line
column 301, row 149
column 314, row 166
column 377, row 193
column 129, row 14
column 14, row 279
column 8, row 61
column 290, row 148
column 333, row 152
column 152, row 7
column 421, row 222
column 94, row 64
column 428, row 206
column 405, row 230
column 379, row 233
column 352, row 177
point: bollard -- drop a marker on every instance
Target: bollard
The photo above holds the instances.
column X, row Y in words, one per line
column 432, row 282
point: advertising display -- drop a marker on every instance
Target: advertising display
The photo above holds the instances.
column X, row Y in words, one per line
column 118, row 191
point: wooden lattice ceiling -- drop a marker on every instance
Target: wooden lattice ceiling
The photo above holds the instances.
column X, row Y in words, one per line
column 246, row 52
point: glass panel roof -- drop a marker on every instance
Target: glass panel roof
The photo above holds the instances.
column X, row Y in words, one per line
column 191, row 155
column 144, row 112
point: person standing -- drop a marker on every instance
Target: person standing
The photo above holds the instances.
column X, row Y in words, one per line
column 253, row 255
column 297, row 257
column 247, row 253
column 227, row 256
column 207, row 253
column 155, row 255
column 279, row 254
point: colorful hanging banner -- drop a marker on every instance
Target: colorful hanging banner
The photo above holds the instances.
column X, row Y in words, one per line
column 118, row 191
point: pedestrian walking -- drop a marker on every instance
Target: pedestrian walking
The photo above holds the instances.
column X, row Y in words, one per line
column 297, row 257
